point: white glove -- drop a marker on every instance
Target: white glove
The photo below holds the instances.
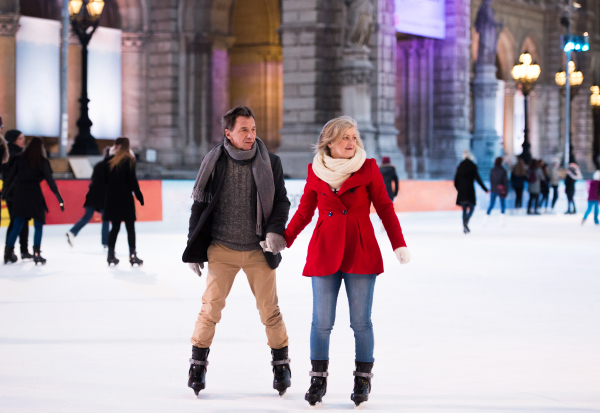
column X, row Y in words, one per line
column 196, row 267
column 403, row 255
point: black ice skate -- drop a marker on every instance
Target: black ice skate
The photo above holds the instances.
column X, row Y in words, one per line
column 37, row 258
column 133, row 259
column 9, row 255
column 111, row 259
column 25, row 255
column 197, row 373
column 318, row 382
column 362, row 382
column 282, row 375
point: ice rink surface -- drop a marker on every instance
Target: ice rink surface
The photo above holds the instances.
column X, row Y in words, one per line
column 506, row 319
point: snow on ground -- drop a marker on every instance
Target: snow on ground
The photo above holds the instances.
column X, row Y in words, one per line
column 506, row 319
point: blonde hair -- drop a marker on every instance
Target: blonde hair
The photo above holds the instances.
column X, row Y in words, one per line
column 468, row 155
column 122, row 154
column 333, row 131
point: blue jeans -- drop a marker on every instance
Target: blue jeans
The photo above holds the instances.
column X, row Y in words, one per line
column 18, row 223
column 493, row 197
column 359, row 288
column 89, row 213
column 592, row 205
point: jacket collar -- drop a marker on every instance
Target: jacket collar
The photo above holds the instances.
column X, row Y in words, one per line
column 356, row 179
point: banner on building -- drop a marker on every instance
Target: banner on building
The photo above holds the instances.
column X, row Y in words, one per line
column 425, row 18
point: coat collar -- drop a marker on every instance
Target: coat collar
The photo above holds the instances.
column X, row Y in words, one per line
column 356, row 179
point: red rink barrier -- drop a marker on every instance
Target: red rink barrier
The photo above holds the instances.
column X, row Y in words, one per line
column 74, row 192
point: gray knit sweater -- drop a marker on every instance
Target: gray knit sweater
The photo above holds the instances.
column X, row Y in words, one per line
column 234, row 216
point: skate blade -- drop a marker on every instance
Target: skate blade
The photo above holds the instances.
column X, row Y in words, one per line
column 359, row 405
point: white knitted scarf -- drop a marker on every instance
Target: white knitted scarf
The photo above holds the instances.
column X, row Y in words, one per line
column 335, row 171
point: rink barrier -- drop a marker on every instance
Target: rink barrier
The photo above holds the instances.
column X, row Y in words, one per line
column 166, row 200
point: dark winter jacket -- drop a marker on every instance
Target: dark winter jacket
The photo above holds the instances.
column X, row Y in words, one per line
column 120, row 182
column 199, row 234
column 518, row 181
column 13, row 151
column 545, row 182
column 499, row 180
column 389, row 175
column 24, row 192
column 466, row 175
column 96, row 195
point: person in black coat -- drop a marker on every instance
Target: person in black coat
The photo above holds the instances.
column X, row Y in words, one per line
column 94, row 201
column 573, row 174
column 388, row 171
column 26, row 197
column 119, row 206
column 518, row 177
column 466, row 175
column 498, row 186
column 15, row 144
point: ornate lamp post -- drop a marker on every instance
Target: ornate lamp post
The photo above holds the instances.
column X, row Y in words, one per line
column 575, row 80
column 526, row 74
column 85, row 15
column 595, row 103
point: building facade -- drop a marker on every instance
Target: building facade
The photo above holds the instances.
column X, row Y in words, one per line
column 184, row 63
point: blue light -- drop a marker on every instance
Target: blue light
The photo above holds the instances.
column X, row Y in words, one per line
column 569, row 46
column 577, row 46
column 585, row 48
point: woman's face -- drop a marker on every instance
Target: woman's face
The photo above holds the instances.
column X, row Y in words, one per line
column 20, row 142
column 345, row 148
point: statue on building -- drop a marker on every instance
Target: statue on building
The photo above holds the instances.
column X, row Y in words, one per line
column 360, row 19
column 489, row 30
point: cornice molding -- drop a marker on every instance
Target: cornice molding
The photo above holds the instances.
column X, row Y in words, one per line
column 9, row 25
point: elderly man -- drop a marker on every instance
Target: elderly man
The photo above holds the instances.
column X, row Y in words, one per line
column 238, row 219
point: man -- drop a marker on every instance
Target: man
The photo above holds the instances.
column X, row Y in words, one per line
column 240, row 204
column 388, row 171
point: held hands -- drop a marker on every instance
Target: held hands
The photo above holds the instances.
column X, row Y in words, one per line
column 274, row 243
column 403, row 255
column 196, row 267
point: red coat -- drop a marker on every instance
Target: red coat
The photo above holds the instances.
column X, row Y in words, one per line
column 344, row 238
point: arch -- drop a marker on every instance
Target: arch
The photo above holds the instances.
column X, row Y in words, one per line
column 134, row 15
column 531, row 45
column 506, row 54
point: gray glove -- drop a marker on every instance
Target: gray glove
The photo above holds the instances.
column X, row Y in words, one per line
column 196, row 267
column 275, row 242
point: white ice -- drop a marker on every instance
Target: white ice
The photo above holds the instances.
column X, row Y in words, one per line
column 506, row 319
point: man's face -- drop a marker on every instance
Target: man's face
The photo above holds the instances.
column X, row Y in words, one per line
column 243, row 134
column 20, row 142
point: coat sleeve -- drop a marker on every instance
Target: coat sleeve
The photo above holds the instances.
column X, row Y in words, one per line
column 281, row 203
column 304, row 214
column 47, row 171
column 134, row 184
column 11, row 169
column 479, row 181
column 385, row 208
column 197, row 209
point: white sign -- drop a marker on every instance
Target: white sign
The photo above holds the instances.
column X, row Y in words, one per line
column 425, row 18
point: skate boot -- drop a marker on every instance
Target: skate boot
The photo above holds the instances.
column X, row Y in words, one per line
column 282, row 374
column 25, row 255
column 362, row 382
column 133, row 259
column 318, row 382
column 111, row 259
column 9, row 255
column 37, row 258
column 197, row 374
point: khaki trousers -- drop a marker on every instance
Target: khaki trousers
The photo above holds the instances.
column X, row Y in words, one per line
column 223, row 266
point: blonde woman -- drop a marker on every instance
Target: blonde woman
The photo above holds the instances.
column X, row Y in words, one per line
column 342, row 183
column 120, row 179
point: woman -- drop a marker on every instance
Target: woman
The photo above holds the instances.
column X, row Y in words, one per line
column 554, row 177
column 15, row 143
column 120, row 179
column 466, row 175
column 498, row 186
column 517, row 180
column 94, row 202
column 593, row 198
column 342, row 183
column 25, row 194
column 534, row 184
column 544, row 186
column 573, row 174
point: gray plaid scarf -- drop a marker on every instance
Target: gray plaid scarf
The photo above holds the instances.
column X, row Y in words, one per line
column 261, row 172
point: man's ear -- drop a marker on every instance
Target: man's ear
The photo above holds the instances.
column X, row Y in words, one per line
column 228, row 134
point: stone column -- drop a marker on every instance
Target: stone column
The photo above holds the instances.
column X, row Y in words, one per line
column 357, row 72
column 486, row 142
column 509, row 118
column 311, row 38
column 451, row 90
column 383, row 90
column 9, row 25
column 134, row 88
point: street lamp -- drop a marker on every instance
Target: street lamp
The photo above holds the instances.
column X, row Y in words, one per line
column 526, row 74
column 85, row 16
column 575, row 80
